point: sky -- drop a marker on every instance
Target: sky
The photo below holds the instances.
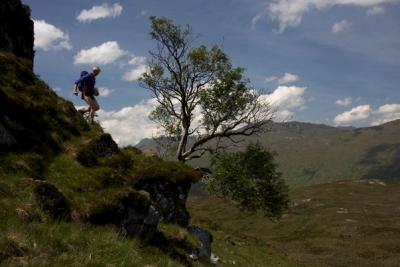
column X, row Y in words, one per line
column 335, row 62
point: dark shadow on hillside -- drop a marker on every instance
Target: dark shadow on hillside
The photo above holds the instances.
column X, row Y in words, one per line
column 382, row 170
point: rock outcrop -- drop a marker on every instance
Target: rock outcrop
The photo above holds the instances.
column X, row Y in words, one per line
column 132, row 213
column 103, row 146
column 205, row 238
column 170, row 199
column 52, row 201
column 141, row 224
column 6, row 139
column 16, row 29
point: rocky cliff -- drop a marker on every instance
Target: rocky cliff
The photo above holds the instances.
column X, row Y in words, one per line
column 16, row 29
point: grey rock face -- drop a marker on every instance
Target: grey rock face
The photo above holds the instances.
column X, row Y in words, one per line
column 141, row 225
column 205, row 239
column 133, row 215
column 16, row 29
column 6, row 139
column 170, row 199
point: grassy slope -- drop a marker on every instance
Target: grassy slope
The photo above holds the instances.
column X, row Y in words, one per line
column 338, row 224
column 29, row 237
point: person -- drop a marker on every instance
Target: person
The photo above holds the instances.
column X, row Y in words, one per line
column 88, row 81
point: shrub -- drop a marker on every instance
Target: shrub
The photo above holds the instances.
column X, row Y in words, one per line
column 250, row 178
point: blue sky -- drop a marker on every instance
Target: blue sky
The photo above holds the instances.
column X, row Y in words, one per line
column 333, row 62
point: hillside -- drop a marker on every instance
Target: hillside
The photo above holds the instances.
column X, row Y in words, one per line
column 70, row 197
column 65, row 187
column 347, row 223
column 311, row 154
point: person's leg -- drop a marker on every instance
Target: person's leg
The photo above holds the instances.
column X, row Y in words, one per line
column 93, row 106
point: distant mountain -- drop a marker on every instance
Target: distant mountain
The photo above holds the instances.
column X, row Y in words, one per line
column 315, row 153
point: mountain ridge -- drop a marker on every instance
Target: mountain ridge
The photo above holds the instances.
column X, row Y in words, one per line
column 310, row 153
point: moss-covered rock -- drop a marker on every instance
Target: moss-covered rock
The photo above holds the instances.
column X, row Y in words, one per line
column 52, row 200
column 32, row 116
column 102, row 146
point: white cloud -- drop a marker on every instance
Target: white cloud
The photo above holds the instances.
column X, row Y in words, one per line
column 137, row 60
column 129, row 125
column 256, row 18
column 290, row 13
column 49, row 37
column 104, row 91
column 270, row 79
column 356, row 114
column 389, row 109
column 365, row 115
column 100, row 12
column 376, row 10
column 341, row 26
column 139, row 68
column 103, row 54
column 288, row 78
column 284, row 100
column 135, row 73
column 386, row 113
column 344, row 102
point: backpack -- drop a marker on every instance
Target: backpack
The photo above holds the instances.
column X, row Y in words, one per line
column 81, row 85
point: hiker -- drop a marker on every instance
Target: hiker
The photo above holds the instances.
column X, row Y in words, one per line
column 86, row 84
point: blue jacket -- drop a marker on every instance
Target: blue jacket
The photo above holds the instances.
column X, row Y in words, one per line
column 88, row 81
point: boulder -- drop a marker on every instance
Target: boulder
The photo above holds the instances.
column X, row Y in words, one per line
column 104, row 146
column 142, row 225
column 169, row 198
column 6, row 139
column 51, row 200
column 205, row 238
column 133, row 214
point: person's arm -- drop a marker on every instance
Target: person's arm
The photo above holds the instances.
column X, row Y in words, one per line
column 75, row 89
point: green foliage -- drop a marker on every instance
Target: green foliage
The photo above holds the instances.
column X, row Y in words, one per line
column 250, row 178
column 229, row 98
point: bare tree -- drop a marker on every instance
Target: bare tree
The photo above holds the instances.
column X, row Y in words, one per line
column 201, row 96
